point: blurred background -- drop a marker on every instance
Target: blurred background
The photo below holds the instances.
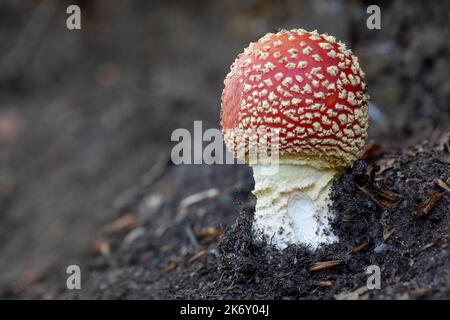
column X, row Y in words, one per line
column 86, row 114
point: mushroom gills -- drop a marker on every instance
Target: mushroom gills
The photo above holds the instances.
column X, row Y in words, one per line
column 293, row 205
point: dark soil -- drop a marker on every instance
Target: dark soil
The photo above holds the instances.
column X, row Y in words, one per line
column 85, row 172
column 409, row 246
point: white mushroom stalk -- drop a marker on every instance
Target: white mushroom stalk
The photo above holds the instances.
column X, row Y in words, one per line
column 293, row 206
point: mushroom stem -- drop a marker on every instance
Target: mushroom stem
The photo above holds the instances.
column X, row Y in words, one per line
column 293, row 206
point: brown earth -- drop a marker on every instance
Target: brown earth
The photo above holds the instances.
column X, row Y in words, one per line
column 85, row 174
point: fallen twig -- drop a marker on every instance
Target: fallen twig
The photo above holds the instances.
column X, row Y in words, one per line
column 193, row 199
column 385, row 194
column 191, row 237
column 197, row 197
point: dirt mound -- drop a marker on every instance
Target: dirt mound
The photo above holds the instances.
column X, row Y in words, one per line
column 391, row 212
column 380, row 221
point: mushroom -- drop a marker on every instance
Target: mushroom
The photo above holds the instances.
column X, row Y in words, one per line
column 307, row 89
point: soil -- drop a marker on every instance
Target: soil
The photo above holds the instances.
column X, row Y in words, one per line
column 410, row 247
column 86, row 176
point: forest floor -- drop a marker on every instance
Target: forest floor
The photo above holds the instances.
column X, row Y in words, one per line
column 86, row 176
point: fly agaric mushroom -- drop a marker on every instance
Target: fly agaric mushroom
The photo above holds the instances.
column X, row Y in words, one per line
column 309, row 89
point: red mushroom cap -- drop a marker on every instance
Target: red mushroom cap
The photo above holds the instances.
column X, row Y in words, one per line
column 306, row 87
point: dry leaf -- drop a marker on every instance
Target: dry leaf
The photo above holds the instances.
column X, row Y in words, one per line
column 325, row 284
column 197, row 255
column 441, row 183
column 429, row 204
column 211, row 232
column 354, row 295
column 172, row 264
column 102, row 247
column 371, row 151
column 324, row 265
column 387, row 233
column 127, row 222
column 385, row 164
column 358, row 249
